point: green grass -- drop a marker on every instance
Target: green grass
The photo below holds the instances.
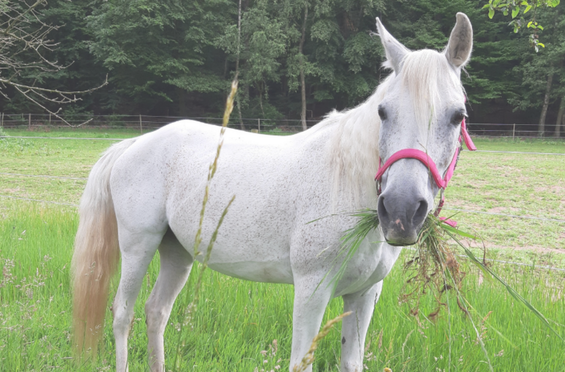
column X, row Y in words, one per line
column 236, row 320
column 511, row 184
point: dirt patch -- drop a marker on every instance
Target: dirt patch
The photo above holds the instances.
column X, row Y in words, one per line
column 554, row 189
column 11, row 191
column 503, row 210
column 531, row 248
column 523, row 248
column 460, row 204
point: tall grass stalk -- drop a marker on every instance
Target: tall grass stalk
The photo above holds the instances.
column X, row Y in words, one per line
column 198, row 238
column 309, row 357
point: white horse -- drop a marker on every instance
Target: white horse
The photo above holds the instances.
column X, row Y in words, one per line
column 145, row 194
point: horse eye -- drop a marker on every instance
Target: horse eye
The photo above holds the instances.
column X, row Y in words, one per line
column 382, row 113
column 457, row 118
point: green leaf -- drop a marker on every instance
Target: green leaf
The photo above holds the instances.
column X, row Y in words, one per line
column 527, row 9
column 515, row 12
column 541, row 45
column 457, row 231
column 491, row 13
column 539, row 26
column 530, row 24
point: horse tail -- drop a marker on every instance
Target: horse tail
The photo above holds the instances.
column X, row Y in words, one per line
column 96, row 252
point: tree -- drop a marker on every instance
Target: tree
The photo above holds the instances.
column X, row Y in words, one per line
column 332, row 57
column 159, row 52
column 543, row 74
column 256, row 47
column 518, row 11
column 25, row 61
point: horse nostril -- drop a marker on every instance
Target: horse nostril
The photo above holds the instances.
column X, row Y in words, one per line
column 420, row 213
column 381, row 210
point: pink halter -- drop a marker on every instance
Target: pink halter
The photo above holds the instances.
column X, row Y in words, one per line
column 428, row 162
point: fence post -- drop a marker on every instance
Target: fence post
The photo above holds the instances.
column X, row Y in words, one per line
column 29, row 122
column 49, row 119
column 258, row 125
column 2, row 120
column 513, row 131
column 140, row 124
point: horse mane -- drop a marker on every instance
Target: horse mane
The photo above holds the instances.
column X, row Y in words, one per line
column 354, row 154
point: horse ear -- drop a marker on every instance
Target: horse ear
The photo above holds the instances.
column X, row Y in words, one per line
column 395, row 51
column 458, row 49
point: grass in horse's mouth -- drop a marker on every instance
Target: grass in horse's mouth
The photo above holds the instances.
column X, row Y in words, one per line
column 434, row 265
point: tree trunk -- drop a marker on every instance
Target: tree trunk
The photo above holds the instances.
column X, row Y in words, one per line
column 541, row 126
column 182, row 97
column 260, row 86
column 302, row 79
column 241, row 125
column 560, row 115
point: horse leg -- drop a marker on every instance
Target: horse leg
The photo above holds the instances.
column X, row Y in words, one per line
column 137, row 251
column 175, row 268
column 354, row 327
column 309, row 306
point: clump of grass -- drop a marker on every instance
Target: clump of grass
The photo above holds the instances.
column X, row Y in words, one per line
column 434, row 266
column 433, row 259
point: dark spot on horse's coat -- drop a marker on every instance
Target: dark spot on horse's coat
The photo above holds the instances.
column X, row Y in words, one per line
column 343, row 340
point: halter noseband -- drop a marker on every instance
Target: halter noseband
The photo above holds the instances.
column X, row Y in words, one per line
column 429, row 163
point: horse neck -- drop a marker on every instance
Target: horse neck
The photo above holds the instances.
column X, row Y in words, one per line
column 354, row 156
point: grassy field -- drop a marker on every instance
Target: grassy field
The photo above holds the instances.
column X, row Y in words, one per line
column 235, row 321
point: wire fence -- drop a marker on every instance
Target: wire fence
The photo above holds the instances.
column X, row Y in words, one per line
column 84, row 179
column 145, row 123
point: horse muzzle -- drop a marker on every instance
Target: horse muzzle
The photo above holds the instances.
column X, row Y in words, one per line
column 401, row 217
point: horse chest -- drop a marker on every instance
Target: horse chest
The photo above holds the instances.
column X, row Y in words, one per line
column 370, row 265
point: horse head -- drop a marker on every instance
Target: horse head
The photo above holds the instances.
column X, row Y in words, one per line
column 422, row 111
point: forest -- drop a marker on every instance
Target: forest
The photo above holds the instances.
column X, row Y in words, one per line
column 294, row 58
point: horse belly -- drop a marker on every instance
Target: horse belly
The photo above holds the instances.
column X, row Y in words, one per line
column 253, row 242
column 246, row 247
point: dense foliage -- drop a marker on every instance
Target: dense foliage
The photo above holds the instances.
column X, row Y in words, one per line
column 177, row 57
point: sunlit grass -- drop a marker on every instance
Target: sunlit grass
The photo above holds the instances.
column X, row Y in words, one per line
column 236, row 320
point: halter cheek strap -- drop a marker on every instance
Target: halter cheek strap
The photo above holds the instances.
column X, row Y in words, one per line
column 424, row 158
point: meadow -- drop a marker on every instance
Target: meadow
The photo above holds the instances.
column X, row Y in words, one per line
column 245, row 326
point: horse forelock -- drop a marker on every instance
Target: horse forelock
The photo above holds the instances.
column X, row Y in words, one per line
column 428, row 77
